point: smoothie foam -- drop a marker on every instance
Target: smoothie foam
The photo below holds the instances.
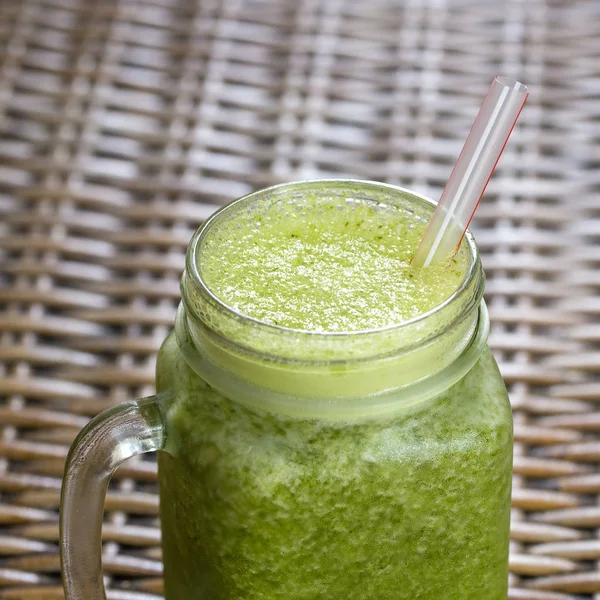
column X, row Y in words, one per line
column 326, row 264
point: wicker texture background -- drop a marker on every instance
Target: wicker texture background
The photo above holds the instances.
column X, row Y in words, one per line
column 125, row 123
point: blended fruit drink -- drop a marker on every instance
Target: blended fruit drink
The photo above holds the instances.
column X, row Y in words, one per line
column 337, row 428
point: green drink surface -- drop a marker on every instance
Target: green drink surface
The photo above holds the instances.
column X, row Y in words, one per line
column 327, row 264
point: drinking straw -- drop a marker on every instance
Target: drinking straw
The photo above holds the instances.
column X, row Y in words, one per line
column 474, row 167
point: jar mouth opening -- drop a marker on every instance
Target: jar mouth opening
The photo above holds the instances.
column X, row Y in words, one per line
column 193, row 271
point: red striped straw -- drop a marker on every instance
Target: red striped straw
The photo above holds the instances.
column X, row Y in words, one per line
column 474, row 167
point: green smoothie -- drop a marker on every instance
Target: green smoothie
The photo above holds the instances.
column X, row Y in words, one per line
column 304, row 462
column 326, row 264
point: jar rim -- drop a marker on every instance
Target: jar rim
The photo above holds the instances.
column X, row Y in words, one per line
column 194, row 276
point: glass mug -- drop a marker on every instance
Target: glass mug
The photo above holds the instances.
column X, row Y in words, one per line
column 368, row 465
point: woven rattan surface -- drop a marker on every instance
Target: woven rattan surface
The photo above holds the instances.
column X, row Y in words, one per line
column 125, row 123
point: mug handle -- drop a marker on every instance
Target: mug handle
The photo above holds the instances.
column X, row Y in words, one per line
column 108, row 440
